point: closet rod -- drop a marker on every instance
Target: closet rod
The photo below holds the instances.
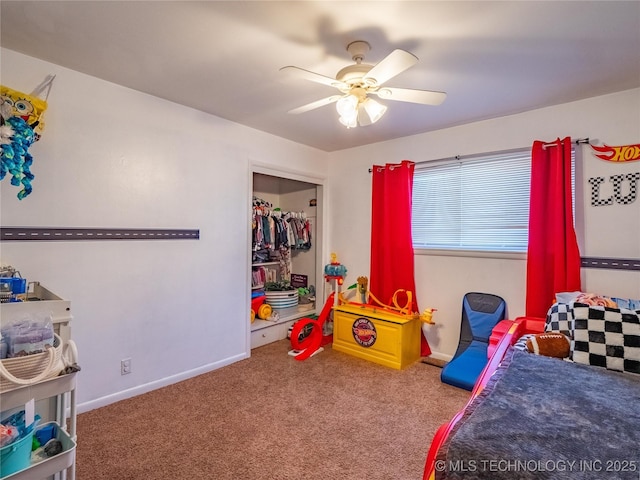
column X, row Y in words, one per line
column 271, row 211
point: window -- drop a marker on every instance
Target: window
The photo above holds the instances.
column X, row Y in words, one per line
column 476, row 204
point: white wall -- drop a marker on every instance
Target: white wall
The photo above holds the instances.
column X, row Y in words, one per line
column 441, row 281
column 113, row 157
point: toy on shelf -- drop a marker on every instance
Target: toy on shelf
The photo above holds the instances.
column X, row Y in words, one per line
column 260, row 309
column 13, row 288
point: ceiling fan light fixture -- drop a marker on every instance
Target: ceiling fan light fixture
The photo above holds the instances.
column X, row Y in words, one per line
column 363, row 117
column 374, row 110
column 347, row 105
column 349, row 120
column 357, row 109
column 359, row 80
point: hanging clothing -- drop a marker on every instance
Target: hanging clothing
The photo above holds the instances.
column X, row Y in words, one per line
column 273, row 230
column 285, row 263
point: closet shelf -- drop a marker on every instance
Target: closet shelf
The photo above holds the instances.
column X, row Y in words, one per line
column 286, row 315
column 261, row 264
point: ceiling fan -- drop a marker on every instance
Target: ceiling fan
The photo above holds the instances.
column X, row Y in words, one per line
column 357, row 82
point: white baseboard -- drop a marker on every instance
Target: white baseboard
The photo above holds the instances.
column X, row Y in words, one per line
column 163, row 382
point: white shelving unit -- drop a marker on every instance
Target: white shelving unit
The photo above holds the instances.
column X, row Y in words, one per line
column 55, row 398
column 41, row 301
column 267, row 331
column 56, row 388
column 269, row 266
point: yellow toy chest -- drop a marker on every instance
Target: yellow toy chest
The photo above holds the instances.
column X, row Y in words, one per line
column 372, row 334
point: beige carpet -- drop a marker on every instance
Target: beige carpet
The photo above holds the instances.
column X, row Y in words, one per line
column 332, row 416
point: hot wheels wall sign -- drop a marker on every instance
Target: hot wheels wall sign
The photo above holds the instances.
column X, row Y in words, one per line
column 627, row 183
column 624, row 153
column 364, row 332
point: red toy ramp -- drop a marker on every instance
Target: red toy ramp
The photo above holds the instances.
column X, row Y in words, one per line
column 312, row 342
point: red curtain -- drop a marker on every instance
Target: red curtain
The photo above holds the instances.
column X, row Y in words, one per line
column 391, row 243
column 553, row 258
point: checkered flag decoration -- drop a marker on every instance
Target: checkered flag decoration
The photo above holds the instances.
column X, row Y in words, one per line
column 560, row 319
column 607, row 337
column 633, row 187
column 596, row 201
column 617, row 181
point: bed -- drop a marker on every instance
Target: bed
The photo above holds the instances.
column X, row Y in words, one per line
column 532, row 416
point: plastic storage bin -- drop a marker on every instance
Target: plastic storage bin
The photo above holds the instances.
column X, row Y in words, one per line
column 36, row 469
column 15, row 456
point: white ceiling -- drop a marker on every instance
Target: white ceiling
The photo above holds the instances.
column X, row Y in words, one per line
column 492, row 58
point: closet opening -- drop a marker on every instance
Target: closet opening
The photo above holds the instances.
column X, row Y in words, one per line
column 286, row 274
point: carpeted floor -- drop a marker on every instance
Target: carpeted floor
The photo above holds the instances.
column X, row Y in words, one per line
column 333, row 416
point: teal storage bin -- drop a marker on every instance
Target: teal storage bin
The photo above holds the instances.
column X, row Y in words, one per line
column 15, row 456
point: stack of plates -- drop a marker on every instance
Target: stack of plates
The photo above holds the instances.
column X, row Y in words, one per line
column 286, row 299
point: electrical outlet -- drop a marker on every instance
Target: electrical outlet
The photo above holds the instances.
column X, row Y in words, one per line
column 125, row 366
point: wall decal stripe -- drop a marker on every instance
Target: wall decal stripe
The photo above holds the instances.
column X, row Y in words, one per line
column 611, row 263
column 22, row 234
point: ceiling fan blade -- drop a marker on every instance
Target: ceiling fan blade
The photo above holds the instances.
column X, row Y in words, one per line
column 390, row 66
column 316, row 104
column 312, row 76
column 426, row 97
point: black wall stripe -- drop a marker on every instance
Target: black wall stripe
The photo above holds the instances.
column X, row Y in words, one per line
column 23, row 234
column 610, row 263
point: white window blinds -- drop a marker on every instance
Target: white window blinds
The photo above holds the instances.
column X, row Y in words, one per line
column 479, row 204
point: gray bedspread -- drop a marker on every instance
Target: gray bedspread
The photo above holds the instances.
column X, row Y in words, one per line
column 544, row 418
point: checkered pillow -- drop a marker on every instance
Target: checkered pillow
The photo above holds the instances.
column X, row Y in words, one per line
column 521, row 344
column 560, row 318
column 607, row 337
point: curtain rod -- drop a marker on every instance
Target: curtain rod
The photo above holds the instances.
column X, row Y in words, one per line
column 578, row 141
column 459, row 157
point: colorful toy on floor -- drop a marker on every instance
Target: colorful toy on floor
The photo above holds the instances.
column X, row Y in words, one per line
column 310, row 343
column 394, row 307
column 307, row 346
column 304, row 346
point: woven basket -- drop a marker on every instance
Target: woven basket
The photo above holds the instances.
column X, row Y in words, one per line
column 19, row 371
